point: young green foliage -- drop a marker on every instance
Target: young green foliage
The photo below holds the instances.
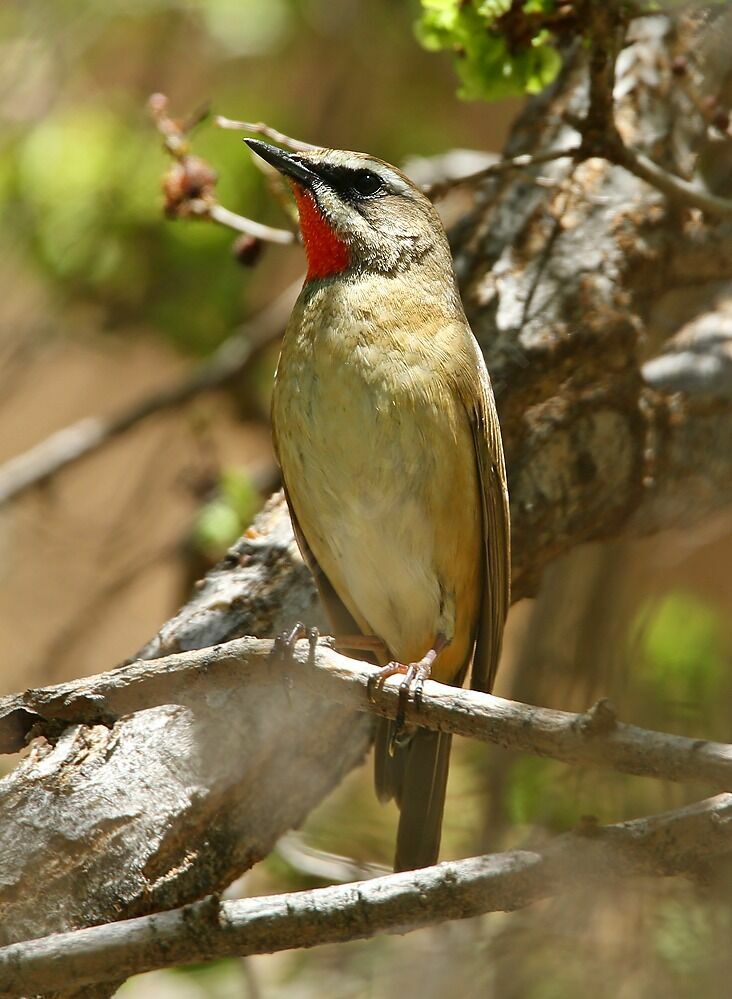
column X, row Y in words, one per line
column 503, row 47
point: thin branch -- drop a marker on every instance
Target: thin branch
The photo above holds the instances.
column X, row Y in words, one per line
column 595, row 738
column 260, row 128
column 672, row 843
column 678, row 190
column 603, row 140
column 217, row 213
column 523, row 162
column 67, row 446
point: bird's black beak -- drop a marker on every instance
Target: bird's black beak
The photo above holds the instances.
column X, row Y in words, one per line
column 289, row 164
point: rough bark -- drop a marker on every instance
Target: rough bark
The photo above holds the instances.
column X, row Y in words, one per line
column 172, row 802
column 215, row 675
column 570, row 289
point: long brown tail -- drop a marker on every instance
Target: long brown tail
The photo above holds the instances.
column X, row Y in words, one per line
column 416, row 775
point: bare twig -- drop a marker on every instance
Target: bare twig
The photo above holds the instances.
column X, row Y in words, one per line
column 325, row 866
column 676, row 189
column 522, row 162
column 260, row 128
column 217, row 213
column 63, row 448
column 675, row 842
column 600, row 136
column 595, row 738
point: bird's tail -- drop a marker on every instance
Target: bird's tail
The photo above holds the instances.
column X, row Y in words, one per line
column 416, row 775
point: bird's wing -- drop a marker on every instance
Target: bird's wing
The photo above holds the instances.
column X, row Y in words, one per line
column 337, row 612
column 339, row 616
column 496, row 527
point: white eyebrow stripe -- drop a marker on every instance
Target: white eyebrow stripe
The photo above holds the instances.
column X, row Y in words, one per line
column 396, row 183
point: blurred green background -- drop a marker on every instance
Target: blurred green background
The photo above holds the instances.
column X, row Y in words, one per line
column 103, row 300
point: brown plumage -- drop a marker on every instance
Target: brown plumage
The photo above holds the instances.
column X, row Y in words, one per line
column 386, row 431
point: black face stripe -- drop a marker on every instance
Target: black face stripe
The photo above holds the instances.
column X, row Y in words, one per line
column 352, row 183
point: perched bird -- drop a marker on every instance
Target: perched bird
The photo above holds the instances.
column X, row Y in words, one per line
column 386, row 432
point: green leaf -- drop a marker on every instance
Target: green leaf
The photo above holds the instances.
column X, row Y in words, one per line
column 681, row 642
column 489, row 64
column 221, row 521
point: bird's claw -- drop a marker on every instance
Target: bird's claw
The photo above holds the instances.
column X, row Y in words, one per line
column 283, row 649
column 414, row 676
column 284, row 643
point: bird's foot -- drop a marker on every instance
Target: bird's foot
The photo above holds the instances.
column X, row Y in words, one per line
column 284, row 643
column 414, row 674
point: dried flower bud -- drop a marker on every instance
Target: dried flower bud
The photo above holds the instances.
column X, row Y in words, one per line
column 157, row 104
column 720, row 119
column 187, row 179
column 174, row 188
column 247, row 249
column 200, row 178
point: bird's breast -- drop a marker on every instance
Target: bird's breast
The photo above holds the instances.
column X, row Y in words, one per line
column 378, row 460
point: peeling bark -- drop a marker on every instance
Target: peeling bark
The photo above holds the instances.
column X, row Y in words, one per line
column 170, row 803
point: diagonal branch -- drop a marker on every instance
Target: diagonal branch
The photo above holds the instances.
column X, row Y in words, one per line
column 675, row 842
column 240, row 223
column 595, row 738
column 69, row 445
column 260, row 128
column 676, row 189
column 523, row 161
column 600, row 135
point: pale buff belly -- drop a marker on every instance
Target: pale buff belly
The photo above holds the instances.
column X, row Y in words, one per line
column 383, row 483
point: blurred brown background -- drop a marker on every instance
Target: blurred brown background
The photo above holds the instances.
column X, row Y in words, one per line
column 103, row 301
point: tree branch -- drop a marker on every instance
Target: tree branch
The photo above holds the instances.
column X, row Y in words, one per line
column 675, row 842
column 239, row 223
column 681, row 192
column 260, row 128
column 67, row 446
column 600, row 135
column 523, row 161
column 595, row 738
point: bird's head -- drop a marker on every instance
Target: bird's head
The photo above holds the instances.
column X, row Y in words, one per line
column 357, row 213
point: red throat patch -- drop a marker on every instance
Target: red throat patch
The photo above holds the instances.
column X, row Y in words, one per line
column 326, row 252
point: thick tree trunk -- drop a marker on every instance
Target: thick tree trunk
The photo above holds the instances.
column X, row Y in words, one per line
column 571, row 288
column 174, row 802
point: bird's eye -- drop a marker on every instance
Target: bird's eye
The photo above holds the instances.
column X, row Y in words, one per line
column 366, row 182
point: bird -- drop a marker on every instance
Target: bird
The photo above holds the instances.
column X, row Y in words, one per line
column 387, row 436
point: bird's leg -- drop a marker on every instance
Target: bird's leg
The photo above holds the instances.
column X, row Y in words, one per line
column 414, row 675
column 284, row 643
